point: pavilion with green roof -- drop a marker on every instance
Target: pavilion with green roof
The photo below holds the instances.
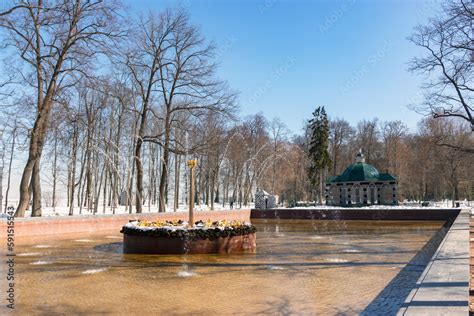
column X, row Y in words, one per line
column 361, row 184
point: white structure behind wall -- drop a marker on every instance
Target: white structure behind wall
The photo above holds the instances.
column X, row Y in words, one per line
column 265, row 200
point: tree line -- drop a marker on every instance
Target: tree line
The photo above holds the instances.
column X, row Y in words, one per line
column 107, row 109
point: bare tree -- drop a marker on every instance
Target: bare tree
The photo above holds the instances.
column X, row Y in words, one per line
column 340, row 133
column 452, row 158
column 14, row 133
column 55, row 39
column 73, row 161
column 448, row 63
column 392, row 134
column 278, row 132
column 186, row 87
column 367, row 138
column 148, row 49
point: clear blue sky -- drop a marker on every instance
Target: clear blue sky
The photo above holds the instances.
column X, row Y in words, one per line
column 287, row 57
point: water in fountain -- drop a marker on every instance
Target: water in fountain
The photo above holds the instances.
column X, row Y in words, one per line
column 313, row 259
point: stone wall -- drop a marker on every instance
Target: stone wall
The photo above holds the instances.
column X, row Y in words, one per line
column 394, row 214
column 36, row 226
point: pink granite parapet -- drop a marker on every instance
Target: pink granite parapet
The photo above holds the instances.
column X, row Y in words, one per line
column 41, row 226
column 133, row 244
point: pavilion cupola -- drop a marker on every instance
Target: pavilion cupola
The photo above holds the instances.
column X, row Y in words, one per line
column 360, row 158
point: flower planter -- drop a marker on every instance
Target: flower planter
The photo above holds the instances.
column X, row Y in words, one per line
column 178, row 238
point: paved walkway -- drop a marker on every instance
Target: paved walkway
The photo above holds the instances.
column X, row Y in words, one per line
column 471, row 266
column 443, row 287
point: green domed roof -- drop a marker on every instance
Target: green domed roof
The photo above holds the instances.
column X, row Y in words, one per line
column 360, row 171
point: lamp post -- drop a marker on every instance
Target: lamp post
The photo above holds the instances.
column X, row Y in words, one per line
column 192, row 165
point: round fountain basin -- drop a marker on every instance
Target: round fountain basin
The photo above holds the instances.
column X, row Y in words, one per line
column 136, row 244
column 178, row 238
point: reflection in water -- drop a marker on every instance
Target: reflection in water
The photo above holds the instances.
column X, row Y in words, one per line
column 42, row 246
column 29, row 254
column 324, row 267
column 41, row 262
column 84, row 240
column 186, row 274
column 92, row 271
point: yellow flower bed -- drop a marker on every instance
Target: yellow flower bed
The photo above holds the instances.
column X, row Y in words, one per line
column 206, row 224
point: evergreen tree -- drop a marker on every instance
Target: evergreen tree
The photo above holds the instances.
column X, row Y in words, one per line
column 318, row 148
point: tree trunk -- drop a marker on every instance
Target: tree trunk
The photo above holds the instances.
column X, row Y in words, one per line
column 1, row 176
column 86, row 202
column 55, row 170
column 97, row 193
column 104, row 202
column 139, row 166
column 25, row 184
column 36, row 184
column 212, row 191
column 38, row 134
column 73, row 171
column 177, row 164
column 163, row 180
column 320, row 188
column 10, row 168
column 164, row 169
column 132, row 174
column 80, row 191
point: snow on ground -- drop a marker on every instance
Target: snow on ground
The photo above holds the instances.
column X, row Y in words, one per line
column 64, row 210
column 404, row 205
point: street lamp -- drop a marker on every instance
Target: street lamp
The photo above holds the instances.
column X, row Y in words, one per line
column 191, row 165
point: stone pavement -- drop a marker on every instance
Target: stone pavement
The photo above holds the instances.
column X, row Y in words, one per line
column 443, row 288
